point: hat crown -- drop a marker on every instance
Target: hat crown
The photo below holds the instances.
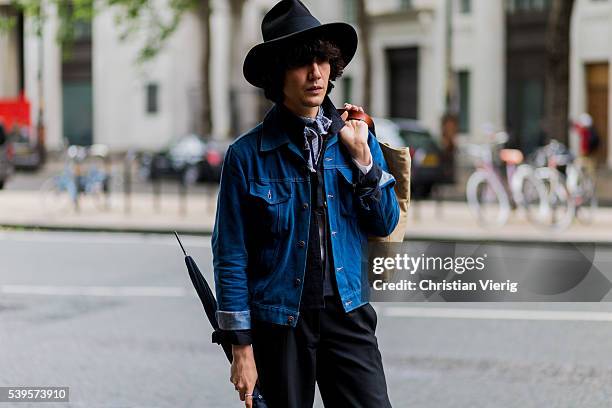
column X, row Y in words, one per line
column 287, row 17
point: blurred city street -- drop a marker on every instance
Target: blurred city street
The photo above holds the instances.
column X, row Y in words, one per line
column 116, row 119
column 114, row 316
column 21, row 206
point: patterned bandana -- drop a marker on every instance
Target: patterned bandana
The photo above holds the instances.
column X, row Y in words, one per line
column 314, row 130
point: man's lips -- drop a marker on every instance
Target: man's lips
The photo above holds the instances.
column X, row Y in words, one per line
column 314, row 89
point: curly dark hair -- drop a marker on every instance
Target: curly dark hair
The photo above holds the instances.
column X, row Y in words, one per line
column 296, row 55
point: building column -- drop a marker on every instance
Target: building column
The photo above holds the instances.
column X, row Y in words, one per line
column 9, row 55
column 488, row 77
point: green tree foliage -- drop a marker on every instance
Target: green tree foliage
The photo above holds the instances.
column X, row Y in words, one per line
column 133, row 17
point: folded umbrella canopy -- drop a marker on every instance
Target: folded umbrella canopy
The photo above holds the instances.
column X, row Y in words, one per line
column 210, row 307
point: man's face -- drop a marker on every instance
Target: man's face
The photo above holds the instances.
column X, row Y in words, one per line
column 305, row 86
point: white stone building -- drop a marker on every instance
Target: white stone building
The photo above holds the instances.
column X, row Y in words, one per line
column 494, row 47
column 104, row 96
column 496, row 52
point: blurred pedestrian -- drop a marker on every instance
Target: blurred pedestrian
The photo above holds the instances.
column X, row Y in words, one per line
column 299, row 194
column 588, row 143
column 450, row 128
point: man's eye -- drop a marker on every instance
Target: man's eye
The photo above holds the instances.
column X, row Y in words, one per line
column 301, row 62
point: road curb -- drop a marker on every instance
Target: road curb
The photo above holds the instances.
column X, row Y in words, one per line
column 482, row 239
column 70, row 228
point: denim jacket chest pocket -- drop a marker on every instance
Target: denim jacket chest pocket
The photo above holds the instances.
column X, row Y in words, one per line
column 346, row 191
column 272, row 204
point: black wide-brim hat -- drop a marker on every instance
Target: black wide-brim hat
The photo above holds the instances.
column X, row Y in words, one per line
column 289, row 21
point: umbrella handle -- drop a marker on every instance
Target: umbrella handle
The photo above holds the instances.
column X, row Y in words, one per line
column 258, row 399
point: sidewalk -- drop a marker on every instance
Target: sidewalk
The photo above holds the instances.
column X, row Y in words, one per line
column 24, row 209
column 428, row 220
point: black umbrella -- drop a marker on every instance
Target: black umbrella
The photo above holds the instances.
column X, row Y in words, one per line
column 210, row 307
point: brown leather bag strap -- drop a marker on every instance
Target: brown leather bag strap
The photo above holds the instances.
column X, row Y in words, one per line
column 356, row 115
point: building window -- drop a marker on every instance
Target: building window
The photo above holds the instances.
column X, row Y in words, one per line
column 152, row 98
column 350, row 11
column 463, row 79
column 406, row 5
column 465, row 6
column 347, row 89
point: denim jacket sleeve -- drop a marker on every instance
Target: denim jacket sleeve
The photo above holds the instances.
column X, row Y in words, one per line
column 378, row 209
column 229, row 247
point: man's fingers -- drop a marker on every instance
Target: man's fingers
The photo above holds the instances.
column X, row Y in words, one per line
column 344, row 116
column 348, row 106
column 249, row 396
column 245, row 391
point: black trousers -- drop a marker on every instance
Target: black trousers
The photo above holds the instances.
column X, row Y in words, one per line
column 337, row 350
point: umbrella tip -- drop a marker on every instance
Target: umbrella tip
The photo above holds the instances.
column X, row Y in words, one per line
column 180, row 243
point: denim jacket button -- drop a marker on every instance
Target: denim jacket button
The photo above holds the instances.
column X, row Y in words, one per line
column 301, row 244
column 305, row 206
column 289, row 319
column 297, row 282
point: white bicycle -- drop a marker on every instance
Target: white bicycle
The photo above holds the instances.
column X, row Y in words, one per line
column 491, row 196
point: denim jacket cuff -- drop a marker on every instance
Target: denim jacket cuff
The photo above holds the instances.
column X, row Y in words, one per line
column 386, row 179
column 240, row 320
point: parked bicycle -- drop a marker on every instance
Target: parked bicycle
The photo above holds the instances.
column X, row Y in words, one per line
column 570, row 189
column 581, row 186
column 491, row 195
column 86, row 176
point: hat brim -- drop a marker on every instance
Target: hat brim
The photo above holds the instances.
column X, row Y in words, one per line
column 342, row 34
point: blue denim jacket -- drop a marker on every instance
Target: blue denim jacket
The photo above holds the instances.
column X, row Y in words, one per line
column 262, row 222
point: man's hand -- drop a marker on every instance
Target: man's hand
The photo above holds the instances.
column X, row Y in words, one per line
column 244, row 372
column 354, row 135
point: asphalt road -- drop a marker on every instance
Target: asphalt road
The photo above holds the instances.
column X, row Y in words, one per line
column 114, row 317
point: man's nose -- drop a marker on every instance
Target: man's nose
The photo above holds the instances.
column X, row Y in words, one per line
column 315, row 71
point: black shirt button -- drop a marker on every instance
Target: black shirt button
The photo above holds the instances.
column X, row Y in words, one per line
column 301, row 244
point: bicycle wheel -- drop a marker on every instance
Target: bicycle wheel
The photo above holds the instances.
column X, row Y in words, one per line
column 55, row 196
column 529, row 193
column 582, row 189
column 561, row 209
column 487, row 199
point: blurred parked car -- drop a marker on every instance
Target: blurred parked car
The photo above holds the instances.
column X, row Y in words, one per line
column 187, row 158
column 27, row 152
column 6, row 157
column 427, row 166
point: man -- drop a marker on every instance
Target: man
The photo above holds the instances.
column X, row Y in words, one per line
column 588, row 144
column 299, row 194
